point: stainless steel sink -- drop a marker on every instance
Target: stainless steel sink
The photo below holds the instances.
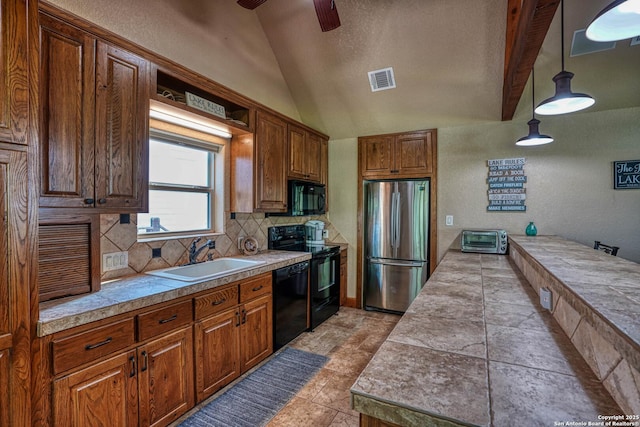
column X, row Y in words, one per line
column 206, row 270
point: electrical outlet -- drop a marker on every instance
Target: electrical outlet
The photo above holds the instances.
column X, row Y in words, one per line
column 325, row 234
column 448, row 220
column 115, row 261
column 546, row 298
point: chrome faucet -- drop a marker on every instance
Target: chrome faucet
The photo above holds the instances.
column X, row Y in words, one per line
column 194, row 251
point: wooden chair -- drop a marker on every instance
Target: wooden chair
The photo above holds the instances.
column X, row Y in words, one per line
column 611, row 250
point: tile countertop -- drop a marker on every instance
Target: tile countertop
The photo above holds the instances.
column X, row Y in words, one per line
column 476, row 348
column 144, row 290
column 609, row 285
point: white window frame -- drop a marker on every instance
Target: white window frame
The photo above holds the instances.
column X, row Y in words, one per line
column 216, row 190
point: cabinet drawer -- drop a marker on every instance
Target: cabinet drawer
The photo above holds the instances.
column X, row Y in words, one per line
column 255, row 287
column 164, row 320
column 91, row 345
column 216, row 301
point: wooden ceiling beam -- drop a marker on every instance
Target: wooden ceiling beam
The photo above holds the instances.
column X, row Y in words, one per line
column 528, row 22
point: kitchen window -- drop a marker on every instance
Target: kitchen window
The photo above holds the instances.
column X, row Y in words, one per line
column 185, row 186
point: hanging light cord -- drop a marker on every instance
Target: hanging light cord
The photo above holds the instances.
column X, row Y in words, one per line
column 562, row 32
column 533, row 91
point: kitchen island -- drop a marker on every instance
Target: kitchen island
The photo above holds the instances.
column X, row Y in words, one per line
column 476, row 348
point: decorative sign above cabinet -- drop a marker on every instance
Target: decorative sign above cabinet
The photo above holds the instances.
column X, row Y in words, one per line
column 626, row 174
column 205, row 105
column 506, row 181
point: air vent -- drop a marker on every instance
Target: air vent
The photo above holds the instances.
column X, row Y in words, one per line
column 581, row 45
column 382, row 79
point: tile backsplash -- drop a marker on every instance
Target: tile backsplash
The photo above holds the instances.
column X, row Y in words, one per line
column 116, row 237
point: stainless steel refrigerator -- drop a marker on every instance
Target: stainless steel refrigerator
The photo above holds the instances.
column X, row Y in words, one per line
column 396, row 242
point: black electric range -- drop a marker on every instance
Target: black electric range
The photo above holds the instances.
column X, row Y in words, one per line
column 324, row 280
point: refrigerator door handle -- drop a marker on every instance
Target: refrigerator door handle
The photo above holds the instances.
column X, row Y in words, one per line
column 396, row 264
column 394, row 214
column 397, row 224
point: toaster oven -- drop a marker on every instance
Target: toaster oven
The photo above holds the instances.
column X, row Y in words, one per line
column 484, row 241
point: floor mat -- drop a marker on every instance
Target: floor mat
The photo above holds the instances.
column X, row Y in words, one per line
column 258, row 398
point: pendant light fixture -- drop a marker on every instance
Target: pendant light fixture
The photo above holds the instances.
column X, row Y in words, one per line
column 564, row 101
column 534, row 137
column 618, row 21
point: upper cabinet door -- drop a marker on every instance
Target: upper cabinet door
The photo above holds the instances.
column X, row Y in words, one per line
column 122, row 117
column 304, row 154
column 297, row 142
column 13, row 69
column 413, row 154
column 314, row 160
column 376, row 155
column 270, row 164
column 67, row 85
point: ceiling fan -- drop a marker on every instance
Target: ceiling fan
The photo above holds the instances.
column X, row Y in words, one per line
column 325, row 9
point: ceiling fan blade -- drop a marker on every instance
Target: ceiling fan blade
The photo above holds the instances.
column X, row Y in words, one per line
column 327, row 14
column 250, row 4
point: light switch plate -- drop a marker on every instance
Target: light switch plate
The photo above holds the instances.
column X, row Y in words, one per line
column 115, row 261
column 448, row 220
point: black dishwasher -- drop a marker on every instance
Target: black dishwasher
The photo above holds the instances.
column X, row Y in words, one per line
column 290, row 302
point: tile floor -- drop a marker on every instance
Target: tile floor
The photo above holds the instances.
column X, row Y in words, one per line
column 349, row 339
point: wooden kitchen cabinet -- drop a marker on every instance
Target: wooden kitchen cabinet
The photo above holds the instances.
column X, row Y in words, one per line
column 406, row 155
column 151, row 385
column 304, row 150
column 165, row 380
column 94, row 110
column 105, row 393
column 217, row 350
column 343, row 276
column 256, row 332
column 14, row 102
column 231, row 341
column 270, row 165
column 15, row 346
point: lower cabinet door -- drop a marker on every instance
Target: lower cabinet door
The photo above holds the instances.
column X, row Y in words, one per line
column 217, row 343
column 105, row 394
column 256, row 331
column 166, row 378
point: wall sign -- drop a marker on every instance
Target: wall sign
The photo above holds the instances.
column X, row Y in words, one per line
column 506, row 181
column 205, row 105
column 626, row 174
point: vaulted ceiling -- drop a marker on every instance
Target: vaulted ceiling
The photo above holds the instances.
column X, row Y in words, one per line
column 448, row 58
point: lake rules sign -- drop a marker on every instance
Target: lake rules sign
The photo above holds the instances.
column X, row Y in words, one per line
column 506, row 181
column 626, row 174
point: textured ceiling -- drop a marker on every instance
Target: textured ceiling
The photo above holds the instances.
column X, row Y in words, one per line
column 447, row 56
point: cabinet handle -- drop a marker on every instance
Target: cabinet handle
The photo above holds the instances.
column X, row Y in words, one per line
column 244, row 316
column 100, row 344
column 132, row 374
column 88, row 201
column 170, row 319
column 144, row 358
column 237, row 318
column 257, row 288
column 102, row 201
column 223, row 300
column 395, row 171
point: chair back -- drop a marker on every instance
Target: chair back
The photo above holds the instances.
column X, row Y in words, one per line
column 611, row 250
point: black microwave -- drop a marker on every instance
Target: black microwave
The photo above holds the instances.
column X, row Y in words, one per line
column 306, row 198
